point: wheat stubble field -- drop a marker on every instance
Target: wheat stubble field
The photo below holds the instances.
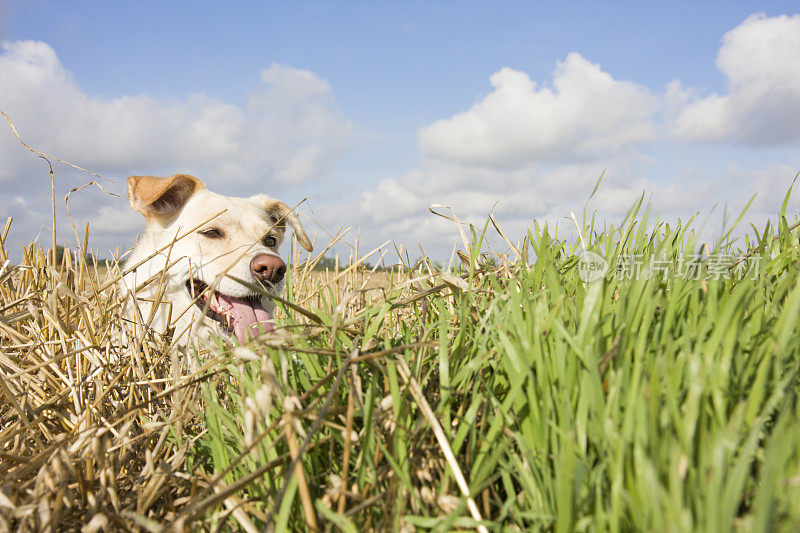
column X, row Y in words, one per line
column 505, row 394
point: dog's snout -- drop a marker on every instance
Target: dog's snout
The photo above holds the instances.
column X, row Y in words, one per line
column 268, row 267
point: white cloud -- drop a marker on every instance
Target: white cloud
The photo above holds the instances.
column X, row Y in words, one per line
column 293, row 125
column 760, row 60
column 289, row 131
column 523, row 193
column 586, row 114
column 390, row 201
column 116, row 219
column 553, row 191
column 527, row 152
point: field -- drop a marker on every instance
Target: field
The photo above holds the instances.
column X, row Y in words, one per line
column 508, row 394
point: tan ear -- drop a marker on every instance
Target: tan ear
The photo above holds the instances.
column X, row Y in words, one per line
column 282, row 211
column 161, row 197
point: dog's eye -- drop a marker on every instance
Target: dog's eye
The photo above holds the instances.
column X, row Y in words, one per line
column 213, row 233
column 269, row 241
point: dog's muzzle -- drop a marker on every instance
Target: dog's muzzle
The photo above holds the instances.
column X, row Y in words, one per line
column 242, row 317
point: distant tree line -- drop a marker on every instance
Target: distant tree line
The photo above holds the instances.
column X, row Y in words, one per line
column 329, row 263
column 90, row 258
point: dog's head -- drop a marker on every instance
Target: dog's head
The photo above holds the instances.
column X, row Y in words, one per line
column 217, row 240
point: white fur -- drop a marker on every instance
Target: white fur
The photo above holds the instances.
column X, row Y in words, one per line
column 178, row 239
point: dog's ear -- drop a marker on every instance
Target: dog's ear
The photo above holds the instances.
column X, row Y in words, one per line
column 161, row 197
column 282, row 212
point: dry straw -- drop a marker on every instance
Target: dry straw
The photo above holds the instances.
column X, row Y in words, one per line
column 98, row 414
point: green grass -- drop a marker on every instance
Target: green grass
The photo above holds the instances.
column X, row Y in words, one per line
column 667, row 403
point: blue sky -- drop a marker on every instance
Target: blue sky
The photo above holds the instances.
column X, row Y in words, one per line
column 356, row 105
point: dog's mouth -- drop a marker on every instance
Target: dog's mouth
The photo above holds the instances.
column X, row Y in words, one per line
column 242, row 317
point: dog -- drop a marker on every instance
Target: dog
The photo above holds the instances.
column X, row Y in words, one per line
column 205, row 264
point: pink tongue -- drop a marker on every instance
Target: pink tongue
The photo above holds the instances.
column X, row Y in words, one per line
column 249, row 316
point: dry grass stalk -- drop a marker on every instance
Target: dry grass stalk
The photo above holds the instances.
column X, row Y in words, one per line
column 85, row 417
column 95, row 408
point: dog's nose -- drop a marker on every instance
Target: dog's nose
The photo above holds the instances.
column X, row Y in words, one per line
column 268, row 267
